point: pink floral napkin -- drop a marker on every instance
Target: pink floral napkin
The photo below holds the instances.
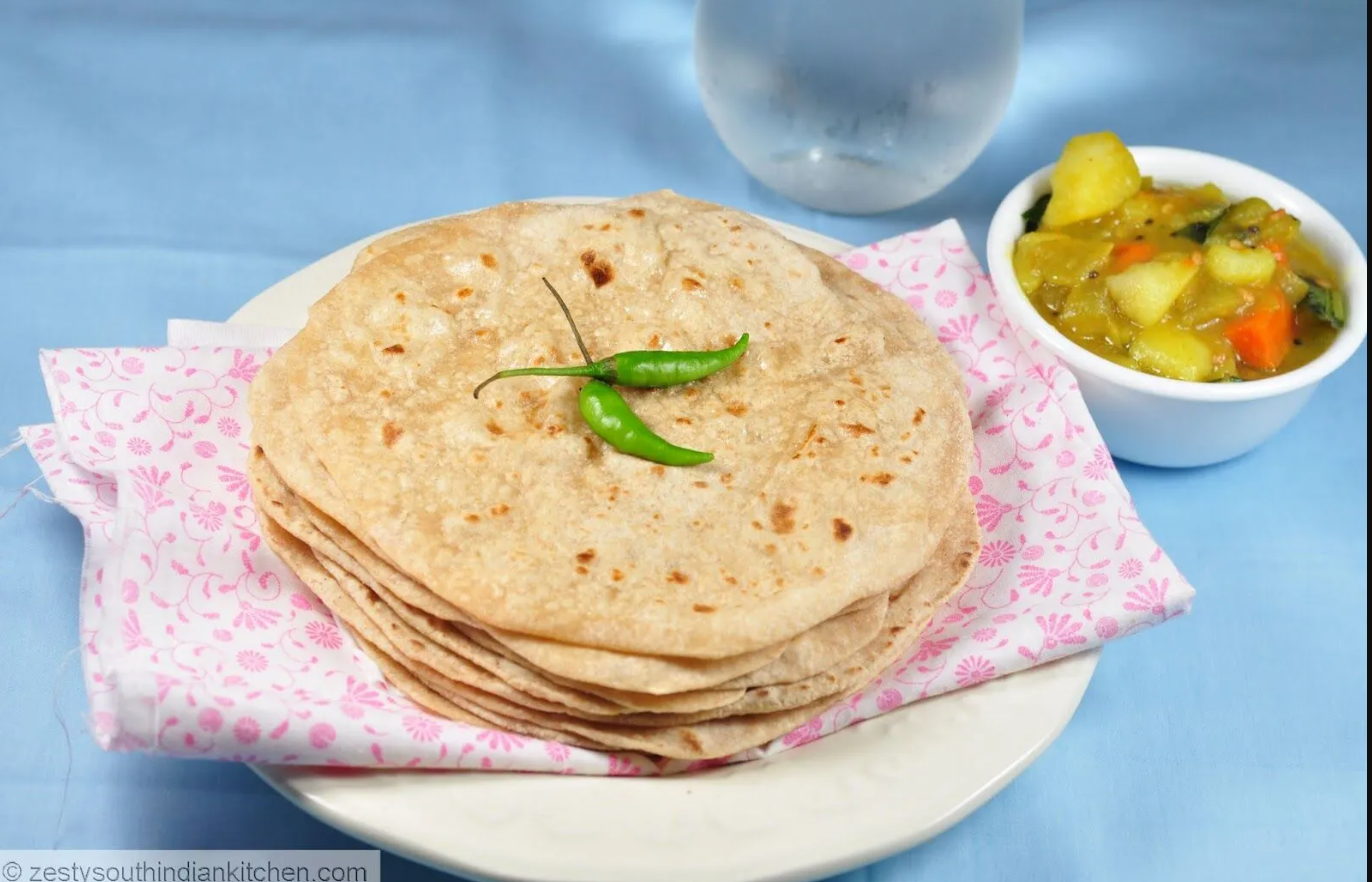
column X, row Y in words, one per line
column 197, row 641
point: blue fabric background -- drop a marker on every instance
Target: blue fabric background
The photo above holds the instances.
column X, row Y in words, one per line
column 173, row 157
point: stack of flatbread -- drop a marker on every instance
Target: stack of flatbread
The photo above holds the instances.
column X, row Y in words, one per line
column 505, row 567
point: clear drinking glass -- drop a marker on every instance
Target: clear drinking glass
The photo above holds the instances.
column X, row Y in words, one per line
column 857, row 106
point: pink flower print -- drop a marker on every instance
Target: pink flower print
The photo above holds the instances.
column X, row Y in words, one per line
column 229, row 427
column 619, row 767
column 497, row 739
column 1130, row 568
column 982, row 635
column 1148, row 598
column 246, row 730
column 132, row 632
column 210, row 720
column 357, row 697
column 946, row 299
column 958, row 329
column 996, row 553
column 888, row 700
column 421, row 728
column 1032, row 552
column 105, row 439
column 856, row 261
column 251, row 660
column 322, row 735
column 996, row 399
column 804, row 734
column 974, row 485
column 1093, row 497
column 324, row 634
column 1038, row 580
column 934, row 647
column 205, row 449
column 301, row 601
column 129, row 591
column 1065, row 459
column 139, row 446
column 147, row 483
column 235, row 482
column 245, row 367
column 209, row 517
column 254, row 617
column 1100, row 466
column 990, row 510
column 556, row 751
column 1059, row 629
column 1107, row 627
column 973, row 670
column 132, row 365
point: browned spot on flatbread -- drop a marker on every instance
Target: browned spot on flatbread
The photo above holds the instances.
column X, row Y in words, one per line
column 678, row 577
column 585, row 557
column 464, row 293
column 701, row 484
column 692, row 741
column 581, row 571
column 880, row 478
column 964, row 562
column 855, row 380
column 919, row 415
column 726, row 478
column 636, row 212
column 731, row 580
column 386, row 393
column 473, row 518
column 736, row 283
column 555, row 430
column 842, row 530
column 703, row 608
column 489, row 261
column 857, row 430
column 598, row 268
column 658, row 470
column 655, row 342
column 737, row 409
column 617, row 575
column 770, row 548
column 783, row 518
column 494, row 428
column 390, row 433
column 840, row 339
column 500, row 509
column 692, row 392
column 400, row 297
column 814, row 427
column 395, row 349
column 689, row 284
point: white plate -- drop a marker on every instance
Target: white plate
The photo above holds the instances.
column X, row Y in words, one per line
column 855, row 797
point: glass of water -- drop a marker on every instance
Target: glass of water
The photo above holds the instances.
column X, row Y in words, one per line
column 860, row 106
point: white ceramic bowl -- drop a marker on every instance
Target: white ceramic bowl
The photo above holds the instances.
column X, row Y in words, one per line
column 1172, row 423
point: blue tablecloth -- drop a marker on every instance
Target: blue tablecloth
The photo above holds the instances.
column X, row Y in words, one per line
column 173, row 157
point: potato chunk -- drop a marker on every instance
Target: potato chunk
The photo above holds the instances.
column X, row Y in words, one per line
column 1239, row 265
column 1095, row 174
column 1145, row 291
column 1172, row 352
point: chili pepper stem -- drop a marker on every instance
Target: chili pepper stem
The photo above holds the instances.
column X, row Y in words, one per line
column 568, row 313
column 595, row 371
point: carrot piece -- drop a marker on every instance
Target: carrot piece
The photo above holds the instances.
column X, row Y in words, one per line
column 1126, row 254
column 1263, row 338
column 1277, row 250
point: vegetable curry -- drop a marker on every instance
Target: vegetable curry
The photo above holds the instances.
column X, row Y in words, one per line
column 1176, row 281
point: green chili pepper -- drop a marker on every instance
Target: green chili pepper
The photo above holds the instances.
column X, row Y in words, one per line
column 640, row 369
column 609, row 416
